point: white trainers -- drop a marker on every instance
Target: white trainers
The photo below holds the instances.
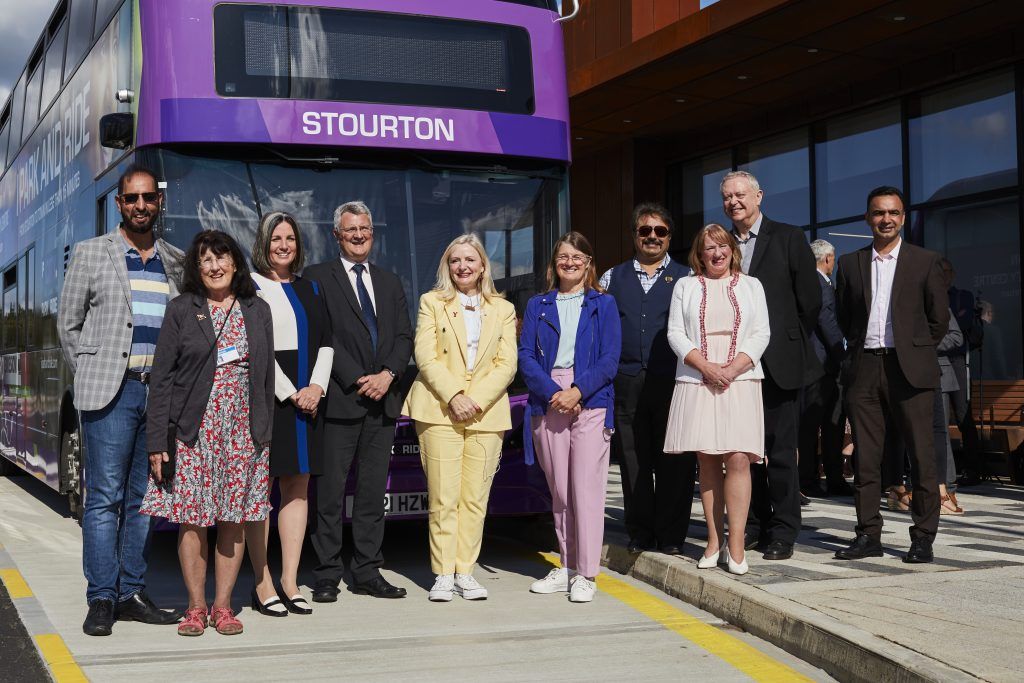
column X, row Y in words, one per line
column 557, row 581
column 443, row 589
column 582, row 589
column 468, row 588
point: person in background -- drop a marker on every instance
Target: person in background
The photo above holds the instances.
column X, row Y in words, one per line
column 718, row 328
column 777, row 254
column 303, row 353
column 961, row 302
column 465, row 353
column 657, row 489
column 111, row 307
column 945, row 469
column 569, row 355
column 822, row 413
column 213, row 384
column 372, row 336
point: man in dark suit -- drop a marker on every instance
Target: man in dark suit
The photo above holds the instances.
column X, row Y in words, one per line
column 372, row 345
column 894, row 311
column 821, row 409
column 777, row 254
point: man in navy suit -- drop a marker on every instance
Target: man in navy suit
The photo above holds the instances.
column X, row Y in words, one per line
column 821, row 404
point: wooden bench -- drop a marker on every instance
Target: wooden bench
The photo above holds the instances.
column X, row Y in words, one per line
column 998, row 408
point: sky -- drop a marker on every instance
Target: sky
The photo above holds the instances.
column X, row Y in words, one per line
column 21, row 22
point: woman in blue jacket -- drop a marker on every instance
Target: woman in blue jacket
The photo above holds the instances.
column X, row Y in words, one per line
column 568, row 355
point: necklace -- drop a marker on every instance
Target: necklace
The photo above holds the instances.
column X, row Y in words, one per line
column 470, row 303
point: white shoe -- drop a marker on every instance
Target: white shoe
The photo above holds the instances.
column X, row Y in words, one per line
column 582, row 589
column 721, row 557
column 557, row 581
column 468, row 588
column 444, row 588
column 739, row 568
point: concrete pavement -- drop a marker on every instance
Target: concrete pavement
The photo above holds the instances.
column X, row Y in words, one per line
column 878, row 619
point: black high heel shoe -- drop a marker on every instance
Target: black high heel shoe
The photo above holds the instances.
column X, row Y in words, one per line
column 266, row 608
column 296, row 604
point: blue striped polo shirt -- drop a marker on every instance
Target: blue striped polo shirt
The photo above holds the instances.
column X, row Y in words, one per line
column 150, row 292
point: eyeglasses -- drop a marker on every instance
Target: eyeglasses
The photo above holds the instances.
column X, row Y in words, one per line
column 133, row 197
column 575, row 259
column 223, row 261
column 352, row 231
column 646, row 230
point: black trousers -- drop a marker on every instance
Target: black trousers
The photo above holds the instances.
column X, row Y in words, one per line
column 367, row 442
column 962, row 415
column 657, row 487
column 821, row 412
column 775, row 486
column 881, row 399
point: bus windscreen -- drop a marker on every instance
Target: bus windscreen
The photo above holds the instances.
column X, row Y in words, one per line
column 311, row 53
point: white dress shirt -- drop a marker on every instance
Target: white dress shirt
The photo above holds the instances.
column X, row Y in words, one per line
column 471, row 317
column 747, row 246
column 883, row 268
column 367, row 280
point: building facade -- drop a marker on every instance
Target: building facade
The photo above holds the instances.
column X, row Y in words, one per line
column 822, row 102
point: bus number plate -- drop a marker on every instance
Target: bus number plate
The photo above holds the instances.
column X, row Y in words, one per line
column 397, row 504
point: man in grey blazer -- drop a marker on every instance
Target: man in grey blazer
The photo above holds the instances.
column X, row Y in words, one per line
column 111, row 309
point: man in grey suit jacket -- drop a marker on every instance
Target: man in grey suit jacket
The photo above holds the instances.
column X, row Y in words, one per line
column 111, row 309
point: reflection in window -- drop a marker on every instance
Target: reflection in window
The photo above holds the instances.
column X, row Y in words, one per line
column 80, row 34
column 17, row 111
column 964, row 140
column 853, row 155
column 35, row 83
column 702, row 199
column 53, row 65
column 846, row 238
column 983, row 242
column 782, row 167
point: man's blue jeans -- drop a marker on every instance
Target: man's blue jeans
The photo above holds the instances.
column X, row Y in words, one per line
column 115, row 536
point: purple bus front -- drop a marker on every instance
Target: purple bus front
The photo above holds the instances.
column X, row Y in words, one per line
column 443, row 119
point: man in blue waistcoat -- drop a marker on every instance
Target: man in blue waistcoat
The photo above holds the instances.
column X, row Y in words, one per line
column 657, row 487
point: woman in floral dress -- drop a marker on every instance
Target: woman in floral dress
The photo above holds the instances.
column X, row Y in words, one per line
column 213, row 380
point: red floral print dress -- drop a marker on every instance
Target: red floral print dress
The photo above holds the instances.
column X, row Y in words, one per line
column 224, row 477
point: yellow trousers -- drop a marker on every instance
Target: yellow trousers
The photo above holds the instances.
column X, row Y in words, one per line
column 460, row 466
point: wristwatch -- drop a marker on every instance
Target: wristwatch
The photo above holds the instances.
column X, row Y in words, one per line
column 391, row 372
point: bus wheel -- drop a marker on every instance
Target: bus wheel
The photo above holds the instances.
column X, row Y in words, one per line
column 71, row 471
column 8, row 468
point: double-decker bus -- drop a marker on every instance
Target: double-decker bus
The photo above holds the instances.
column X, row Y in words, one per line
column 444, row 117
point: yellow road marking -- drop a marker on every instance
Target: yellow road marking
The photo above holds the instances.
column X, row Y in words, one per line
column 15, row 583
column 58, row 657
column 735, row 652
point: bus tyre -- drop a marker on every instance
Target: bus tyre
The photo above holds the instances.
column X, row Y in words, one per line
column 71, row 471
column 8, row 468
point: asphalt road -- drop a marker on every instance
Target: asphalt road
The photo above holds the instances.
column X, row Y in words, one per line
column 629, row 632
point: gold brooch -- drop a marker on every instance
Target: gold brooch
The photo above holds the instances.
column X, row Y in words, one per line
column 668, row 278
column 200, row 316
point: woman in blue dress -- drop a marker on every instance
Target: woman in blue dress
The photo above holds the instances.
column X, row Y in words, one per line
column 304, row 354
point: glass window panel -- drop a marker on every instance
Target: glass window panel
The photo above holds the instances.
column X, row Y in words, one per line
column 35, row 82
column 983, row 242
column 782, row 167
column 855, row 154
column 4, row 134
column 847, row 237
column 104, row 9
column 17, row 111
column 702, row 199
column 53, row 66
column 964, row 140
column 80, row 34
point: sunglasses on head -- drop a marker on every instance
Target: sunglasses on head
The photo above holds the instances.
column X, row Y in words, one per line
column 646, row 230
column 133, row 197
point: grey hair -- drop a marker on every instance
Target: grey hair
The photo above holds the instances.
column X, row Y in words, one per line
column 357, row 208
column 745, row 175
column 821, row 249
column 261, row 247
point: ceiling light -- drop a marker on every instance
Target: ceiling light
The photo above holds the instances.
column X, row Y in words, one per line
column 741, row 78
column 580, row 137
column 812, row 50
column 680, row 100
column 627, row 120
column 899, row 17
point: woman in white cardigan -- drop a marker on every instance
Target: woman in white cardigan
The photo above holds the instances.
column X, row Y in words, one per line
column 718, row 328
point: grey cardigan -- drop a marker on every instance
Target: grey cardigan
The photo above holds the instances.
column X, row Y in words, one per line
column 184, row 357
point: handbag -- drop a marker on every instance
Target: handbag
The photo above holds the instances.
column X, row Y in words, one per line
column 169, row 467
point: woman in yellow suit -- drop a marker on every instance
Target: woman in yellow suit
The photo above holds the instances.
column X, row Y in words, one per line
column 466, row 355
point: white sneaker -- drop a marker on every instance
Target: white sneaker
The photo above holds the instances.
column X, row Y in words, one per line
column 468, row 588
column 557, row 581
column 443, row 589
column 582, row 589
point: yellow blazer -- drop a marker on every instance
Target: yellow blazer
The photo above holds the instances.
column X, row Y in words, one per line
column 440, row 353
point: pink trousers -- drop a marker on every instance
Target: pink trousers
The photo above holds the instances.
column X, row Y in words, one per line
column 573, row 452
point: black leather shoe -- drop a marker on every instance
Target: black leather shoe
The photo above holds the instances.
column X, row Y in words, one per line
column 862, row 546
column 804, row 500
column 379, row 588
column 671, row 549
column 637, row 547
column 140, row 608
column 778, row 550
column 325, row 590
column 752, row 542
column 100, row 619
column 920, row 552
